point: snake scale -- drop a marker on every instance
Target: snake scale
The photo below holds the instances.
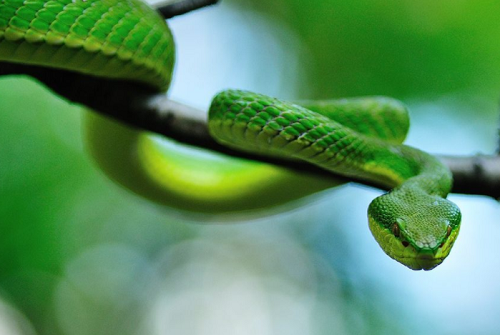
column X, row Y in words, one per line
column 128, row 40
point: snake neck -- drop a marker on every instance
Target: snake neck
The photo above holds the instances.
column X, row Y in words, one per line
column 405, row 168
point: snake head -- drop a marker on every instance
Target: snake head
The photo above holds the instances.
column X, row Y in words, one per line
column 417, row 230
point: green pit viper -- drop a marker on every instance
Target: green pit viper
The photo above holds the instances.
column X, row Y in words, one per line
column 128, row 40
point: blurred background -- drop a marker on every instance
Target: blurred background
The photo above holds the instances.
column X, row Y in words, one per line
column 81, row 255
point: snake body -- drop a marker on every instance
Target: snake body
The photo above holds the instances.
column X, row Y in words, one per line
column 127, row 40
column 413, row 223
column 124, row 40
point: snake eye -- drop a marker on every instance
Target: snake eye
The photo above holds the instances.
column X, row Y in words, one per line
column 448, row 231
column 395, row 230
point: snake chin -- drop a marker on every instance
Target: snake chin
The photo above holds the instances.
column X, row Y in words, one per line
column 420, row 261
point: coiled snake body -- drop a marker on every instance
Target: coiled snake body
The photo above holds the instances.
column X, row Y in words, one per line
column 127, row 40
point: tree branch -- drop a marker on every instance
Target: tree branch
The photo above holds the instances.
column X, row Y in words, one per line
column 479, row 174
column 169, row 9
column 142, row 108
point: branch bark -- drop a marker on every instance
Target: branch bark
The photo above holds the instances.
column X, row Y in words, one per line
column 478, row 174
column 144, row 109
column 170, row 9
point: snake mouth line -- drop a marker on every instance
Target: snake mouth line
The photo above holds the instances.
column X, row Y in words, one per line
column 423, row 258
column 421, row 261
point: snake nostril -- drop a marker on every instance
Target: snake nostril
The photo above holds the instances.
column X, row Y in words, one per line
column 405, row 243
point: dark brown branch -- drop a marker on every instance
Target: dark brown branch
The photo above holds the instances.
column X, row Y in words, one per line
column 169, row 10
column 479, row 174
column 142, row 108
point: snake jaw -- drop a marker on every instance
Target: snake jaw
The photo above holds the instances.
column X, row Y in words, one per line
column 428, row 259
column 415, row 256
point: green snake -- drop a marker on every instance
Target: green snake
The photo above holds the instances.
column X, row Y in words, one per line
column 128, row 40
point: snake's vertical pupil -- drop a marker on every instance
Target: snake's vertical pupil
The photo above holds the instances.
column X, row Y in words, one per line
column 395, row 230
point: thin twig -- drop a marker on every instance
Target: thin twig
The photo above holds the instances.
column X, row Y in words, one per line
column 169, row 10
